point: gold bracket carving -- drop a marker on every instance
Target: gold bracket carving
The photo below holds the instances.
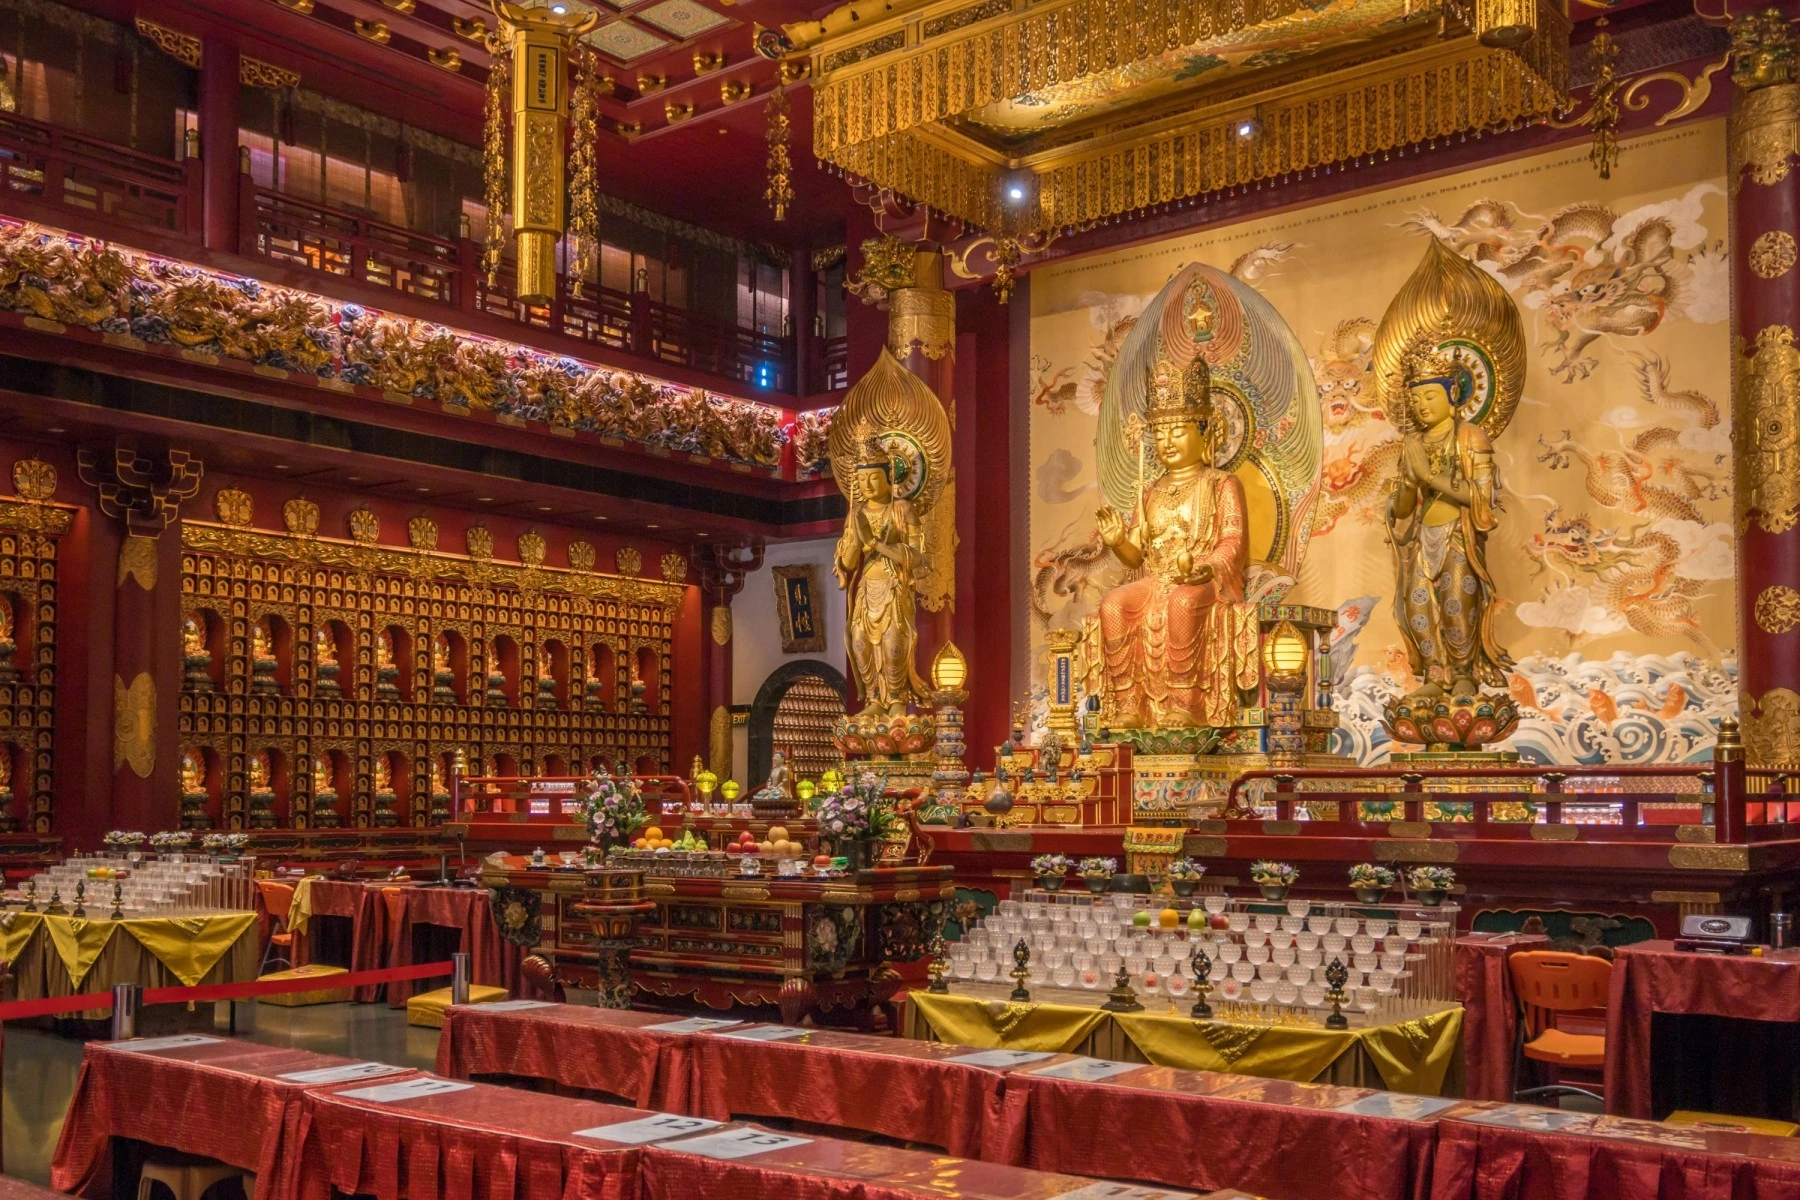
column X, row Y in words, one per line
column 254, row 72
column 184, row 48
column 145, row 490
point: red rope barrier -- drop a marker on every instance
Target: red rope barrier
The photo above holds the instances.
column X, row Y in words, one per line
column 50, row 1006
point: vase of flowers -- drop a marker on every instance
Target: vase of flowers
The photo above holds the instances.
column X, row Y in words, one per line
column 856, row 817
column 1431, row 884
column 170, row 843
column 1185, row 875
column 1050, row 870
column 611, row 808
column 225, row 844
column 1097, row 873
column 1370, row 882
column 124, row 843
column 1274, row 878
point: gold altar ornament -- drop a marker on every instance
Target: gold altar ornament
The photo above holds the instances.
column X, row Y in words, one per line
column 1177, row 642
column 1768, row 398
column 1777, row 609
column 1772, row 254
column 538, row 39
column 949, row 669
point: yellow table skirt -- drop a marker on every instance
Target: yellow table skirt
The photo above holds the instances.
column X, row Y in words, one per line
column 1422, row 1056
column 62, row 955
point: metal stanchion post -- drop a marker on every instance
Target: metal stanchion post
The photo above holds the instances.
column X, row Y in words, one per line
column 459, row 978
column 126, row 997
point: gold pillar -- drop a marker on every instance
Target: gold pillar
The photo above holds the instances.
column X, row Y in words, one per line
column 539, row 41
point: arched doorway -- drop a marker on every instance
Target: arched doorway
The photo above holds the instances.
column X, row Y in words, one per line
column 795, row 709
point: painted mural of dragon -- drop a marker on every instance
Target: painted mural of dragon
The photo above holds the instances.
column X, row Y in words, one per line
column 1635, row 574
column 1587, row 278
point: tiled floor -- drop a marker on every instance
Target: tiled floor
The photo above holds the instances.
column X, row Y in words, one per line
column 41, row 1067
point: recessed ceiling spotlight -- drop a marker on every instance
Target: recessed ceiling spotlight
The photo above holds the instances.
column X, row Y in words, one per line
column 559, row 9
column 484, row 499
column 423, row 490
column 651, row 525
column 281, row 466
column 1249, row 127
column 56, row 429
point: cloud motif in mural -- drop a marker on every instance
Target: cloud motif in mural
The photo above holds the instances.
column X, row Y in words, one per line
column 1571, row 607
column 1054, row 475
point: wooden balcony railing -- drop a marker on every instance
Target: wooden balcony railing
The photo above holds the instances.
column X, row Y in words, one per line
column 830, row 364
column 62, row 170
column 315, row 237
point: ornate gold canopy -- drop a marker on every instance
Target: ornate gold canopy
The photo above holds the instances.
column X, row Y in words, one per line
column 1102, row 108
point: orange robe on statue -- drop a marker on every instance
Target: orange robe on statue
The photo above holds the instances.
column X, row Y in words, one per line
column 1173, row 654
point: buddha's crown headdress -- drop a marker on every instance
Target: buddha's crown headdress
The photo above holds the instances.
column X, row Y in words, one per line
column 1177, row 396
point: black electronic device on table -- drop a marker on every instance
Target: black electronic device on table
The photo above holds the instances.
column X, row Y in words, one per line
column 1715, row 933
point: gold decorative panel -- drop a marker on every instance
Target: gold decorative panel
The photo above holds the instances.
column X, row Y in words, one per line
column 28, row 580
column 522, row 667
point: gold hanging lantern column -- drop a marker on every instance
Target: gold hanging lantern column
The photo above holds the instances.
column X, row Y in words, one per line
column 539, row 38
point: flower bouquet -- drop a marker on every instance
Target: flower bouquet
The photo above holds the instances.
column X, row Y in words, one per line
column 1097, row 873
column 1185, row 875
column 1050, row 869
column 123, row 840
column 171, row 840
column 1369, row 881
column 857, row 816
column 1431, row 884
column 224, row 843
column 1274, row 878
column 611, row 808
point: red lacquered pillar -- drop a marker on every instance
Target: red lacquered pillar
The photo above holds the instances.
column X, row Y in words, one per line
column 1765, row 285
column 218, row 104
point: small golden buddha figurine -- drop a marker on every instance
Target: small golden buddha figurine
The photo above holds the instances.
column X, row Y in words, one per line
column 1439, row 514
column 384, row 775
column 193, row 635
column 440, row 654
column 323, row 784
column 193, row 772
column 1178, row 642
column 879, row 556
column 325, row 651
column 259, row 772
column 262, row 643
column 384, row 649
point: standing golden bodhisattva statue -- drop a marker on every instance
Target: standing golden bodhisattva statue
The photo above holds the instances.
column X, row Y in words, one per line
column 1177, row 643
column 879, row 557
column 1439, row 515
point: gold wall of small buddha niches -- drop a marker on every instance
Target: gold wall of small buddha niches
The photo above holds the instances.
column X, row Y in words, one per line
column 332, row 680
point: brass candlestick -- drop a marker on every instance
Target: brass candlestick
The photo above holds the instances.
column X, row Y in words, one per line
column 1122, row 998
column 56, row 905
column 1336, row 975
column 1021, row 972
column 31, row 895
column 1202, row 1011
column 937, row 968
column 80, row 898
column 118, row 911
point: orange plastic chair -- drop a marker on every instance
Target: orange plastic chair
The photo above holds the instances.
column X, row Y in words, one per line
column 1553, row 985
column 278, row 902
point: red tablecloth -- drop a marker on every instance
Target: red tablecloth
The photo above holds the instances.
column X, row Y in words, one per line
column 492, row 960
column 478, row 1143
column 1652, row 977
column 1610, row 1158
column 596, row 1049
column 1268, row 1136
column 828, row 1169
column 1490, row 1011
column 222, row 1099
column 895, row 1087
column 361, row 904
column 18, row 1189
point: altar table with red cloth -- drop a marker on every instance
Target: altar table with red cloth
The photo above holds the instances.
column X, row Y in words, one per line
column 1490, row 1010
column 1590, row 1157
column 359, row 903
column 493, row 961
column 1653, row 977
column 894, row 1087
column 1274, row 1137
column 480, row 1142
column 594, row 1049
column 222, row 1099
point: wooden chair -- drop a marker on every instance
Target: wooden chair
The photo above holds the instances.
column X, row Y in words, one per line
column 278, row 901
column 1552, row 985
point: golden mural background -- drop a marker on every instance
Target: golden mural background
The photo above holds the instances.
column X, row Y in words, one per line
column 1614, row 553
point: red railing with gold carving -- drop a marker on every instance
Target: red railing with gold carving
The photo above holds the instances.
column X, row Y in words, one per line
column 62, row 170
column 312, row 237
